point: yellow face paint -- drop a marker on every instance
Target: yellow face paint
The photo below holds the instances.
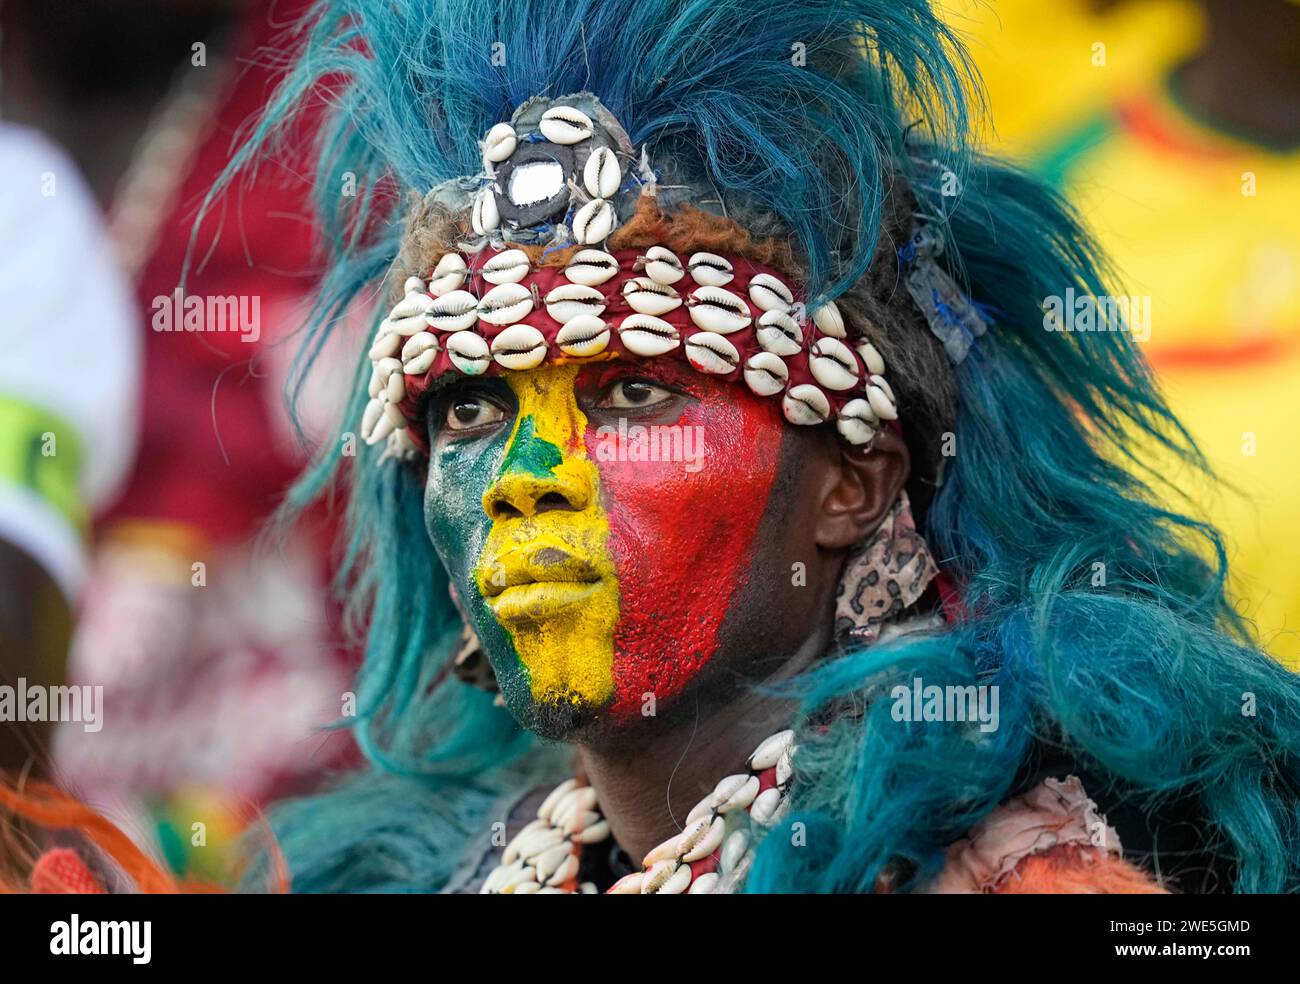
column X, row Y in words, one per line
column 545, row 570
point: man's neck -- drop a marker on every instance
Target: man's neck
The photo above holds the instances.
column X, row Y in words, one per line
column 646, row 788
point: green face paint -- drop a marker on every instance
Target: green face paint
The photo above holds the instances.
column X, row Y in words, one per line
column 519, row 523
column 530, row 453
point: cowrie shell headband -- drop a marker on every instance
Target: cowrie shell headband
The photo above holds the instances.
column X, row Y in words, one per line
column 744, row 324
column 563, row 173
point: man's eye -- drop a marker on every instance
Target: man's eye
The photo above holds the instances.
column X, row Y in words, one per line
column 630, row 394
column 468, row 412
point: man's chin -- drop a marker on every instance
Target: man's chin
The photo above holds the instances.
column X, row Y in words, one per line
column 558, row 719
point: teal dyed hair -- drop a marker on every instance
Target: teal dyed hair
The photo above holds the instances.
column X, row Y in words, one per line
column 846, row 118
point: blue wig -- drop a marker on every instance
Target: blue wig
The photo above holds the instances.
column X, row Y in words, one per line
column 1099, row 612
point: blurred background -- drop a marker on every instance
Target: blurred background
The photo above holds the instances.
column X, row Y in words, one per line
column 140, row 461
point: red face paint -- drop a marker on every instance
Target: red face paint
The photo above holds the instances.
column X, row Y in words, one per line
column 682, row 539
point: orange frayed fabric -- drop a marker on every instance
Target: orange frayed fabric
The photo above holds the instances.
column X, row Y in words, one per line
column 1051, row 839
column 1076, row 871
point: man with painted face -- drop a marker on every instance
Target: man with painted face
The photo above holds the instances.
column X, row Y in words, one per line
column 905, row 617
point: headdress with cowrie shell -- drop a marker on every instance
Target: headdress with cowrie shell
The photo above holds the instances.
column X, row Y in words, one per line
column 538, row 276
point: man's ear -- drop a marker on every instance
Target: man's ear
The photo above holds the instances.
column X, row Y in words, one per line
column 860, row 492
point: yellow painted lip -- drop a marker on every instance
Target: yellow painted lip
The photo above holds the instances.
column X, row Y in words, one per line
column 539, row 559
column 538, row 600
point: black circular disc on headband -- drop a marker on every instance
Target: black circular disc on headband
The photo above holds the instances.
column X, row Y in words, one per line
column 540, row 161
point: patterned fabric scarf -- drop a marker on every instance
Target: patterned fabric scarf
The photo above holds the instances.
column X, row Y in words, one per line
column 883, row 577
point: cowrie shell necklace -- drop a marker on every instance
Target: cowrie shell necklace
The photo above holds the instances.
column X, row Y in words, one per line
column 711, row 855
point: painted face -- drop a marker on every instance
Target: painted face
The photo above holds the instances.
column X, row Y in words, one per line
column 598, row 522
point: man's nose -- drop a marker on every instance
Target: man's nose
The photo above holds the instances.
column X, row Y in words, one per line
column 519, row 493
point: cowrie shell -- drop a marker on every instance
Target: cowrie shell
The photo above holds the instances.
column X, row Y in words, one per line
column 383, row 370
column 765, row 805
column 805, row 404
column 710, row 269
column 769, row 293
column 567, row 301
column 505, row 304
column 732, row 851
column 497, row 878
column 628, row 884
column 484, row 216
column 593, row 222
column 725, row 789
column 855, row 423
column 678, row 883
column 499, row 143
column 881, row 402
column 567, row 869
column 829, row 321
column 594, row 834
column 658, row 873
column 580, row 820
column 769, row 751
column 519, row 347
column 662, row 266
column 878, row 380
column 766, row 374
column 407, row 316
column 392, row 412
column 646, row 335
column 418, row 353
column 468, row 352
column 413, row 285
column 581, row 799
column 590, row 267
column 382, row 428
column 704, row 808
column 387, row 342
column 565, row 125
column 832, row 364
column 582, row 336
column 370, row 419
column 779, row 333
column 666, row 878
column 509, row 267
column 715, row 309
column 681, row 844
column 742, row 797
column 523, row 844
column 548, row 861
column 395, row 391
column 697, row 844
column 547, row 809
column 785, row 767
column 601, row 176
column 667, row 851
column 448, row 275
column 705, row 884
column 647, row 296
column 455, row 311
column 450, row 263
column 871, row 358
column 710, row 352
